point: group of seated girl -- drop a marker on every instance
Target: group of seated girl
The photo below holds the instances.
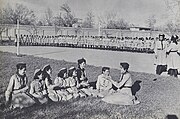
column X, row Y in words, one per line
column 69, row 83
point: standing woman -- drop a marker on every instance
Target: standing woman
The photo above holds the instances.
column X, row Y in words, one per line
column 178, row 40
column 17, row 91
column 173, row 57
column 123, row 96
column 52, row 94
column 160, row 54
column 37, row 88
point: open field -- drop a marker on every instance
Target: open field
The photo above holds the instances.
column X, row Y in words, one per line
column 139, row 62
column 159, row 96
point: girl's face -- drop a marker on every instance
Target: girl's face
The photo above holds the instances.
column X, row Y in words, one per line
column 82, row 65
column 122, row 70
column 40, row 76
column 49, row 71
column 65, row 75
column 106, row 72
column 22, row 72
column 74, row 73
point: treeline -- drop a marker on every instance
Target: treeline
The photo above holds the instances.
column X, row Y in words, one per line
column 67, row 18
column 64, row 18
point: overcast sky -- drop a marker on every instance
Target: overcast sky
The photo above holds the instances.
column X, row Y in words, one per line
column 134, row 11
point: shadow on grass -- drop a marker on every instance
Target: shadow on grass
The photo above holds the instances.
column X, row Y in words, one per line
column 171, row 117
column 88, row 114
column 93, row 84
column 136, row 87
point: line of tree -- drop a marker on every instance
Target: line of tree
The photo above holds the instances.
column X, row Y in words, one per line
column 66, row 18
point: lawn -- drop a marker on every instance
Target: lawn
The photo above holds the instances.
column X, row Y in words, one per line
column 159, row 95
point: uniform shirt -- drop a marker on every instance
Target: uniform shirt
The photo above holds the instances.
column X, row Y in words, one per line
column 103, row 82
column 172, row 47
column 173, row 57
column 71, row 82
column 160, row 45
column 81, row 75
column 125, row 80
column 37, row 87
column 160, row 52
column 60, row 82
column 16, row 83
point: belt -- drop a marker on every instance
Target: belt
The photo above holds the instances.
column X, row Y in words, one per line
column 127, row 87
column 173, row 51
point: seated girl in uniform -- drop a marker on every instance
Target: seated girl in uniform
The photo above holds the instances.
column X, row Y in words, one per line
column 37, row 88
column 72, row 84
column 81, row 74
column 123, row 96
column 52, row 94
column 82, row 78
column 60, row 83
column 104, row 84
column 16, row 94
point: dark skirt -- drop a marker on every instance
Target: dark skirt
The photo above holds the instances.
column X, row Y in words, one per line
column 173, row 72
column 160, row 69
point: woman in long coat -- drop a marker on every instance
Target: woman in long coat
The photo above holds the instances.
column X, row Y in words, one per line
column 17, row 91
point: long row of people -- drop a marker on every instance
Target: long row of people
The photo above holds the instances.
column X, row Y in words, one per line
column 69, row 83
column 134, row 44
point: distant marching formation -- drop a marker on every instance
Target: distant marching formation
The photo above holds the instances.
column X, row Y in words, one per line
column 69, row 83
column 133, row 44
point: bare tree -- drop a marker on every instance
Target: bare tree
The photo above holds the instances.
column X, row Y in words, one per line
column 59, row 21
column 122, row 24
column 170, row 28
column 111, row 21
column 89, row 21
column 65, row 7
column 21, row 12
column 2, row 25
column 107, row 20
column 68, row 17
column 48, row 17
column 151, row 21
column 39, row 23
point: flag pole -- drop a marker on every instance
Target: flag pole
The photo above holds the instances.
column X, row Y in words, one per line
column 99, row 29
column 17, row 37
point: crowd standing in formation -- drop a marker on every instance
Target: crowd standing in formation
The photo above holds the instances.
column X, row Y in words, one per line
column 133, row 44
column 167, row 54
column 69, row 83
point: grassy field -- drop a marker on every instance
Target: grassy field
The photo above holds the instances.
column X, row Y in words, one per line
column 159, row 96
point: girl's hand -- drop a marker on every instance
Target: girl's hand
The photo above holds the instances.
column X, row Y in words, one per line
column 24, row 89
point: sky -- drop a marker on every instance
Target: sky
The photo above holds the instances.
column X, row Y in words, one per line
column 134, row 11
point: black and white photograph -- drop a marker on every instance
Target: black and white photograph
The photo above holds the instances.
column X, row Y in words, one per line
column 90, row 59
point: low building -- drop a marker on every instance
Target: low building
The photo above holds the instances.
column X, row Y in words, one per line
column 135, row 28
